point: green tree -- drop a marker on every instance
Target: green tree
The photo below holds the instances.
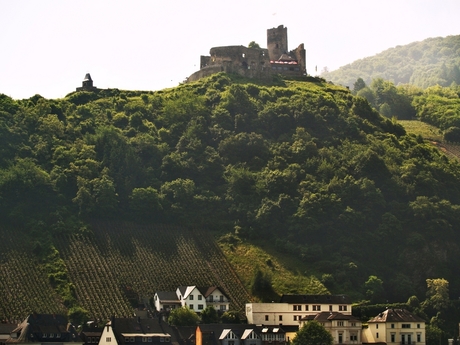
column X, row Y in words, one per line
column 313, row 333
column 231, row 316
column 437, row 293
column 374, row 289
column 78, row 315
column 253, row 44
column 359, row 85
column 183, row 317
column 261, row 286
column 209, row 315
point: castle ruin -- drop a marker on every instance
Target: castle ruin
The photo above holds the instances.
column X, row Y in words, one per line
column 255, row 63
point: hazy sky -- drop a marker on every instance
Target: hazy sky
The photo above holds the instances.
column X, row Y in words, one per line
column 48, row 46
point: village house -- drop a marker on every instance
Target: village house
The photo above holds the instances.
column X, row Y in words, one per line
column 344, row 328
column 395, row 327
column 44, row 329
column 194, row 297
column 293, row 308
column 239, row 334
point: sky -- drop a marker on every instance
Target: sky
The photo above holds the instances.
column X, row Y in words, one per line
column 47, row 46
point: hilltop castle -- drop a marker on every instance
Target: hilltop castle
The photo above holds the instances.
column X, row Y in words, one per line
column 255, row 62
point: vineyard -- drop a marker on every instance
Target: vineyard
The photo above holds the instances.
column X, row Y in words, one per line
column 24, row 287
column 119, row 264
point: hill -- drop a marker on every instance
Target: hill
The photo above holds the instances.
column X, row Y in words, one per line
column 434, row 61
column 300, row 176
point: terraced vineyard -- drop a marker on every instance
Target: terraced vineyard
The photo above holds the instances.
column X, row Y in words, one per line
column 24, row 287
column 121, row 262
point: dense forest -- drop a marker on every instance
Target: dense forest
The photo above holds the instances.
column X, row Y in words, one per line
column 434, row 61
column 307, row 164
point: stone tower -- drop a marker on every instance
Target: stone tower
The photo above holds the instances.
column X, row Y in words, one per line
column 87, row 84
column 277, row 42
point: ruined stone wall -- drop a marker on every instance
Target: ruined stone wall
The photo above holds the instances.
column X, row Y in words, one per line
column 277, row 42
column 299, row 54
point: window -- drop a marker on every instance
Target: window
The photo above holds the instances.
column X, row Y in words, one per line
column 221, row 299
column 392, row 325
column 108, row 339
column 297, row 307
column 354, row 337
column 340, row 323
column 162, row 339
column 377, row 334
column 45, row 335
column 190, row 298
column 330, row 308
column 418, row 325
column 167, row 339
column 223, row 307
column 144, row 339
column 405, row 325
column 342, row 308
column 266, row 317
column 317, row 307
column 200, row 297
column 51, row 335
column 419, row 338
column 200, row 306
column 280, row 318
column 149, row 339
column 297, row 317
column 340, row 338
column 191, row 306
column 306, row 307
column 393, row 337
column 353, row 324
column 377, row 326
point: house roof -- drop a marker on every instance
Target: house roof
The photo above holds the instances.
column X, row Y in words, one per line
column 169, row 296
column 316, row 299
column 87, row 77
column 204, row 290
column 128, row 326
column 396, row 315
column 35, row 326
column 329, row 316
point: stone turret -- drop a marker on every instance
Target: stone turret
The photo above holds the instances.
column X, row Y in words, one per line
column 87, row 84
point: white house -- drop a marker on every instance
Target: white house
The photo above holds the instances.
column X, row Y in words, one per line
column 198, row 298
column 293, row 308
column 345, row 329
column 166, row 300
column 395, row 327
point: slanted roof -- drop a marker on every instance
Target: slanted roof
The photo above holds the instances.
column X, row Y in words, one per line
column 186, row 290
column 169, row 296
column 134, row 326
column 208, row 290
column 315, row 299
column 329, row 316
column 396, row 315
column 35, row 326
column 87, row 77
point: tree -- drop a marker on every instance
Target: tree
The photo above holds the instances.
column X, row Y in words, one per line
column 358, row 85
column 313, row 333
column 183, row 317
column 452, row 134
column 437, row 293
column 253, row 44
column 374, row 289
column 209, row 315
column 230, row 316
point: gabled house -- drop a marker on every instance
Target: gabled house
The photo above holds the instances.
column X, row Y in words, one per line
column 166, row 300
column 44, row 329
column 135, row 331
column 198, row 298
column 292, row 308
column 395, row 327
column 345, row 329
column 239, row 334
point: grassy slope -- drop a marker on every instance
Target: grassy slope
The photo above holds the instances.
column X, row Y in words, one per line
column 433, row 135
column 288, row 274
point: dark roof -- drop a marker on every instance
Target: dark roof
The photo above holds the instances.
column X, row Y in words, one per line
column 396, row 315
column 139, row 325
column 167, row 296
column 33, row 328
column 6, row 328
column 329, row 316
column 316, row 299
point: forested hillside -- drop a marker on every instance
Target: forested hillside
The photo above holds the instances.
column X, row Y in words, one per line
column 304, row 167
column 434, row 61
